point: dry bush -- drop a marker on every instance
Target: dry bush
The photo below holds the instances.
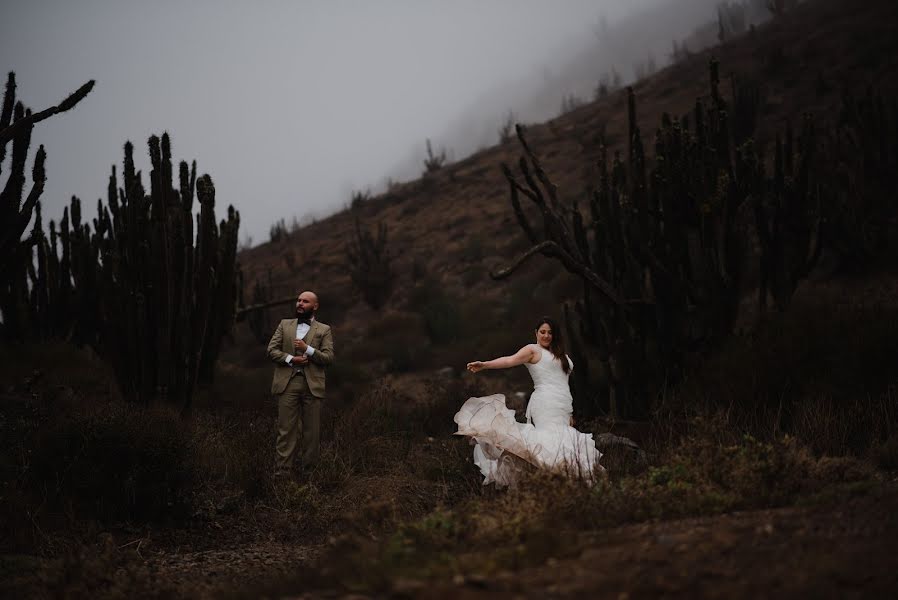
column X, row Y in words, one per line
column 372, row 435
column 821, row 374
column 393, row 326
column 400, row 338
column 886, row 453
column 115, row 462
column 236, row 389
column 439, row 308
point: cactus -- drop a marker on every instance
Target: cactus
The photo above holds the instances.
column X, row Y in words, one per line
column 506, row 130
column 17, row 303
column 151, row 291
column 369, row 264
column 659, row 256
column 788, row 218
column 434, row 162
column 258, row 320
column 863, row 160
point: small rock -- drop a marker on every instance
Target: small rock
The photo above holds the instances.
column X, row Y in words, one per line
column 609, row 441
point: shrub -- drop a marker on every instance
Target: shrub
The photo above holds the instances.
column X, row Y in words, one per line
column 115, row 463
column 506, row 131
column 886, row 454
column 346, row 372
column 278, row 231
column 404, row 357
column 570, row 103
column 819, row 374
column 439, row 309
column 359, row 198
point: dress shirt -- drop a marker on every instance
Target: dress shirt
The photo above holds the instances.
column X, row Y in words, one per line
column 301, row 330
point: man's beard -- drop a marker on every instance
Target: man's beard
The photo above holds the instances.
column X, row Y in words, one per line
column 305, row 316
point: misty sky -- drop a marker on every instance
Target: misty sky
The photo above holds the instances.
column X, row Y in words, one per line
column 288, row 105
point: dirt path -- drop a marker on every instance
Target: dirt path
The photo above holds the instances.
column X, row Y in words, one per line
column 834, row 551
column 847, row 550
column 214, row 573
column 816, row 552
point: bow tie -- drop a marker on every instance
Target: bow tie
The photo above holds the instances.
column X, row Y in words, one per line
column 307, row 320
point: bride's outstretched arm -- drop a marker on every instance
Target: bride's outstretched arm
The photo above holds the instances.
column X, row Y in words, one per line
column 524, row 355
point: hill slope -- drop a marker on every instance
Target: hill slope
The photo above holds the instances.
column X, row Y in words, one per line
column 457, row 223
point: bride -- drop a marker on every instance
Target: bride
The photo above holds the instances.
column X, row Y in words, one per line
column 547, row 440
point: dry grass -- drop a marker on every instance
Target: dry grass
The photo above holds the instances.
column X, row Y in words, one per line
column 542, row 517
column 767, row 422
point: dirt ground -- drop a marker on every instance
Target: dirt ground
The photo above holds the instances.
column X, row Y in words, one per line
column 842, row 551
column 847, row 550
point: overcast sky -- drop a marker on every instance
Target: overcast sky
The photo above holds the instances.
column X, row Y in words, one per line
column 289, row 106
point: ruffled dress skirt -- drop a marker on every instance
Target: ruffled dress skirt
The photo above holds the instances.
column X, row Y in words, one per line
column 503, row 447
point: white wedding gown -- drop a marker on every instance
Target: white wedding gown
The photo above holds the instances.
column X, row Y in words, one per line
column 547, row 440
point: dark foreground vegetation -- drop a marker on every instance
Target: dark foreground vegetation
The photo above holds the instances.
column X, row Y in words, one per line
column 97, row 492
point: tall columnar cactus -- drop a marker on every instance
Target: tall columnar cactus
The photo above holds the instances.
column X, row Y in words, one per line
column 369, row 264
column 258, row 320
column 863, row 162
column 788, row 218
column 16, row 125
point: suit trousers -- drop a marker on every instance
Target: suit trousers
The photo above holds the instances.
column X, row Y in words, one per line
column 297, row 409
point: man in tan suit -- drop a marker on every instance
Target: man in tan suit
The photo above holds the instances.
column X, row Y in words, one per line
column 301, row 349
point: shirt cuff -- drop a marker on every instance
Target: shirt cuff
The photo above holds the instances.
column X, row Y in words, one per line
column 289, row 360
column 309, row 351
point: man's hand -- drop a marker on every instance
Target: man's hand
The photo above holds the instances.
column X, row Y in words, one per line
column 300, row 346
column 300, row 360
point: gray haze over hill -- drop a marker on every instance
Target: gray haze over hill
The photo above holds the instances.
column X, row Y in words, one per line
column 292, row 105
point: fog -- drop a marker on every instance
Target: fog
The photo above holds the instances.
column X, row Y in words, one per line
column 290, row 106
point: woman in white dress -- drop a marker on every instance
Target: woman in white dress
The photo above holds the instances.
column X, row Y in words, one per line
column 547, row 440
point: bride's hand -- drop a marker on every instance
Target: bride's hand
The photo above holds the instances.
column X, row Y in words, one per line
column 475, row 366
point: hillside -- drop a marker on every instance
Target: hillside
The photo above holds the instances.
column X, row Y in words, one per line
column 457, row 224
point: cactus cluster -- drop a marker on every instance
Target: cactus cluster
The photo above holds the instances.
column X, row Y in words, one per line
column 162, row 282
column 151, row 286
column 663, row 252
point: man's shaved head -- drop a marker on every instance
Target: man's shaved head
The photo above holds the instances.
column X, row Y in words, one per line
column 306, row 304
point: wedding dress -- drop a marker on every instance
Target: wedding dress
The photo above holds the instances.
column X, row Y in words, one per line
column 546, row 440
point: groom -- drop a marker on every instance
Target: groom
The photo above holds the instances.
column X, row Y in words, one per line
column 301, row 349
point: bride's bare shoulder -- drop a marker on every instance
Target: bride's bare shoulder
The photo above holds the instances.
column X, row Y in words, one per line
column 535, row 354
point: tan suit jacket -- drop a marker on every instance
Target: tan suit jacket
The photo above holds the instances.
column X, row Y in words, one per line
column 318, row 337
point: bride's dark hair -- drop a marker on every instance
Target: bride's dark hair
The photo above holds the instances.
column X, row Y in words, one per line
column 557, row 345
